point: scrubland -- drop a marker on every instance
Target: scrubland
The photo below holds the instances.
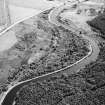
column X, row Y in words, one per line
column 41, row 48
column 86, row 87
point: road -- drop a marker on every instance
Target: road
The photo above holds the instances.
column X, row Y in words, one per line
column 92, row 56
column 92, row 41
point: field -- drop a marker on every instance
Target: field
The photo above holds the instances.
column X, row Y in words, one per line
column 18, row 13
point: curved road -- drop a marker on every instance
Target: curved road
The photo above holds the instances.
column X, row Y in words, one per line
column 92, row 41
column 92, row 56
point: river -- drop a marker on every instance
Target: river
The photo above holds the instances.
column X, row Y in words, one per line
column 8, row 97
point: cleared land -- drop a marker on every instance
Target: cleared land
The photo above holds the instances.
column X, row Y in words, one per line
column 18, row 13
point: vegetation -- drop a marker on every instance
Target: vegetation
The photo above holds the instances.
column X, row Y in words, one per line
column 102, row 51
column 84, row 88
column 61, row 52
column 42, row 49
column 54, row 91
column 98, row 23
column 57, row 46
